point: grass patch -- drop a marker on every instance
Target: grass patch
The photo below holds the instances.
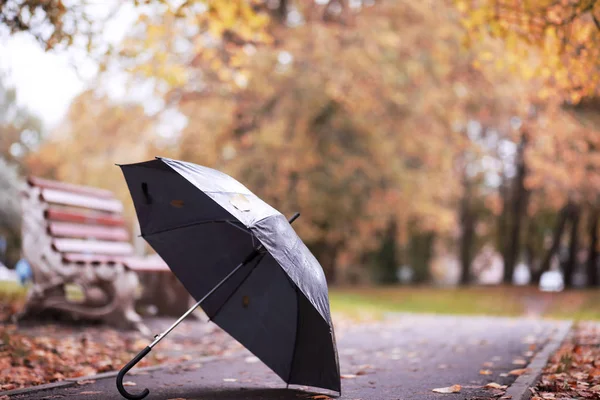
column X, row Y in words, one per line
column 477, row 300
column 373, row 302
column 11, row 291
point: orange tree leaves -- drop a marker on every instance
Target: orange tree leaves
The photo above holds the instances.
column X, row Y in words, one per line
column 565, row 34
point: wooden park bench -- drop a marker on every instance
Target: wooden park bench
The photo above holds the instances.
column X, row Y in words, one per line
column 76, row 235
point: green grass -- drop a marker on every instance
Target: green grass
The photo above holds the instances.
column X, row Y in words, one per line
column 10, row 291
column 499, row 301
column 478, row 300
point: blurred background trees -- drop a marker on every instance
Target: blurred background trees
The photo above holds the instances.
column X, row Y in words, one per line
column 422, row 141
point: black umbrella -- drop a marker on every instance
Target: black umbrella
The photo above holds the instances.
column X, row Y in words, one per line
column 244, row 264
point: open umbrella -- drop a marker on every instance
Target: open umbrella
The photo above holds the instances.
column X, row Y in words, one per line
column 243, row 263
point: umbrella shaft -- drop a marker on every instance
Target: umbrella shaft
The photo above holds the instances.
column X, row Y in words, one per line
column 250, row 257
column 159, row 337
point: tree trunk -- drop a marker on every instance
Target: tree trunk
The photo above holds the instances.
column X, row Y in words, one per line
column 503, row 220
column 573, row 247
column 519, row 202
column 387, row 257
column 327, row 255
column 592, row 261
column 420, row 251
column 530, row 256
column 559, row 228
column 468, row 233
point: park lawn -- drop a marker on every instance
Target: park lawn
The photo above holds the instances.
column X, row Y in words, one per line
column 476, row 300
column 372, row 301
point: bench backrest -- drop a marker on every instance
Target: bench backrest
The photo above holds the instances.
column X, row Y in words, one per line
column 86, row 224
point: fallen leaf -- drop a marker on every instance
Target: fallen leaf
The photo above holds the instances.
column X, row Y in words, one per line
column 129, row 383
column 449, row 389
column 595, row 388
column 494, row 385
column 508, row 396
column 86, row 382
column 519, row 361
column 518, row 372
column 348, row 376
column 488, row 364
column 485, row 372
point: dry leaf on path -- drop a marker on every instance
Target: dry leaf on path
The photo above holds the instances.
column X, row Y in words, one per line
column 347, row 376
column 129, row 383
column 494, row 385
column 449, row 389
column 485, row 372
column 518, row 372
column 86, row 382
column 519, row 361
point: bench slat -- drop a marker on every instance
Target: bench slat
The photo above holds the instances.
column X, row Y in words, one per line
column 93, row 247
column 78, row 200
column 146, row 264
column 136, row 263
column 83, row 217
column 69, row 187
column 65, row 229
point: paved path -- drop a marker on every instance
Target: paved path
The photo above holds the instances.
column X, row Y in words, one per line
column 403, row 357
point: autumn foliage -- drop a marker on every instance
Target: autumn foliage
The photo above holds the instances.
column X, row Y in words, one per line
column 403, row 131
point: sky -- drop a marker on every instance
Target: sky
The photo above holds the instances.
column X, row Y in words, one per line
column 47, row 82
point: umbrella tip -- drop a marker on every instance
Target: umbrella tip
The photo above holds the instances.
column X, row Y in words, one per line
column 294, row 217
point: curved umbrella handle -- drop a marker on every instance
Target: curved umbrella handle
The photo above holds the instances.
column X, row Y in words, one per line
column 123, row 371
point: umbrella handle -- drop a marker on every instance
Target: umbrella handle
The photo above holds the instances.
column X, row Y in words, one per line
column 123, row 371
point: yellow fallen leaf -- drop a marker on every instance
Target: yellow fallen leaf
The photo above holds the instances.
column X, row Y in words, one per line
column 518, row 372
column 129, row 383
column 348, row 376
column 485, row 372
column 494, row 385
column 449, row 389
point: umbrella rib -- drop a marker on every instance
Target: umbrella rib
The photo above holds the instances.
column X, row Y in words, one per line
column 259, row 259
column 212, row 221
column 296, row 334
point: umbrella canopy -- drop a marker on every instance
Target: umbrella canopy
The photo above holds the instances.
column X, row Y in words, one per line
column 204, row 223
